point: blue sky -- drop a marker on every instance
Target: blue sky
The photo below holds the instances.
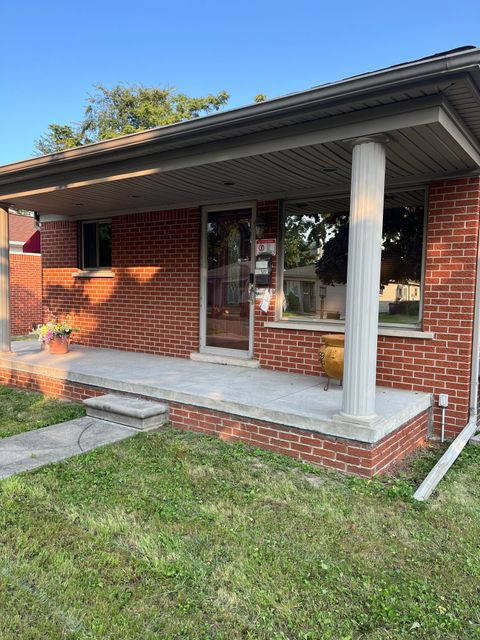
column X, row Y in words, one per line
column 54, row 51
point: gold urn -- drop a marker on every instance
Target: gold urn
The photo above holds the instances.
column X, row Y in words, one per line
column 331, row 356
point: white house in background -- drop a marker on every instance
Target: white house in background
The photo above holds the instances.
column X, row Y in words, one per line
column 306, row 295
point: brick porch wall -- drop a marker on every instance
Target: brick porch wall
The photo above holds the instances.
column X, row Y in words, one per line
column 153, row 302
column 25, row 292
column 340, row 454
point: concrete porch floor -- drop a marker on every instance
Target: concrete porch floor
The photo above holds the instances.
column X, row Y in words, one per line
column 282, row 398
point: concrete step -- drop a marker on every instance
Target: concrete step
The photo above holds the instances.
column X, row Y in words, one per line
column 140, row 414
column 232, row 360
column 475, row 439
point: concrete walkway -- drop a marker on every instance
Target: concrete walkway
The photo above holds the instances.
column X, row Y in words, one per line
column 33, row 449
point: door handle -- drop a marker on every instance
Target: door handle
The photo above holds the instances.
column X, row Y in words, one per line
column 251, row 293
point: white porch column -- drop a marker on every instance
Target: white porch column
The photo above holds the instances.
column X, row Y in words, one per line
column 4, row 281
column 363, row 280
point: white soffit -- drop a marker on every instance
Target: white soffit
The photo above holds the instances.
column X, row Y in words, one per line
column 427, row 140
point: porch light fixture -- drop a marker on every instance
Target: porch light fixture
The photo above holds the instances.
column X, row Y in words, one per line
column 260, row 224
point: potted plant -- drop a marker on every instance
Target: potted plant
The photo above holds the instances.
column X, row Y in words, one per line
column 55, row 335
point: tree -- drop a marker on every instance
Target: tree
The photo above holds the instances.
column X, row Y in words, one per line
column 127, row 108
column 299, row 241
column 401, row 250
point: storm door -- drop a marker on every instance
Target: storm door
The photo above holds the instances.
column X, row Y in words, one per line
column 227, row 309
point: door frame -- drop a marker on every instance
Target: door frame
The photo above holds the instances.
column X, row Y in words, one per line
column 222, row 351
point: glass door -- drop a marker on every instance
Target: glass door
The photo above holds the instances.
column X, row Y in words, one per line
column 227, row 310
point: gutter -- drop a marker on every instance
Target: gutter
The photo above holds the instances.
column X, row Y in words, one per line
column 435, row 476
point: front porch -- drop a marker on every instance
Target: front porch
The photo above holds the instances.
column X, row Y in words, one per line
column 290, row 413
column 150, row 244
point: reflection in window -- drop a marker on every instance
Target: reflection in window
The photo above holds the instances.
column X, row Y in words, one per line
column 315, row 259
column 96, row 245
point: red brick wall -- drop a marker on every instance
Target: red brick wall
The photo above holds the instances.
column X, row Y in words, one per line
column 25, row 292
column 152, row 303
column 434, row 366
column 340, row 454
column 344, row 455
column 443, row 365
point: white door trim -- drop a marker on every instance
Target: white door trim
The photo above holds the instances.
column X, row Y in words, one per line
column 252, row 205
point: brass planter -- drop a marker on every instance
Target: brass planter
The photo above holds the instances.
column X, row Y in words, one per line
column 331, row 356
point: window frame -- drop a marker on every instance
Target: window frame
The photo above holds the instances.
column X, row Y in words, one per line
column 97, row 241
column 417, row 326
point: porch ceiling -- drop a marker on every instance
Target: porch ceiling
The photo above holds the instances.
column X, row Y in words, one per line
column 296, row 146
column 415, row 155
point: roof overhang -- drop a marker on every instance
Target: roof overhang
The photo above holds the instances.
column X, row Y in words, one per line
column 429, row 110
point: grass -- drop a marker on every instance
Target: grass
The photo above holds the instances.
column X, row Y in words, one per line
column 399, row 318
column 23, row 411
column 177, row 535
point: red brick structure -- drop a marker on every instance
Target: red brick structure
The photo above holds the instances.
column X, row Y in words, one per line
column 25, row 292
column 152, row 304
column 25, row 274
column 126, row 227
column 155, row 258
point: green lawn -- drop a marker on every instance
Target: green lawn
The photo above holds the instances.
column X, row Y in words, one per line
column 177, row 535
column 399, row 318
column 23, row 411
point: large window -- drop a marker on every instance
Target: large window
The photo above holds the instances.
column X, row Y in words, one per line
column 315, row 259
column 96, row 245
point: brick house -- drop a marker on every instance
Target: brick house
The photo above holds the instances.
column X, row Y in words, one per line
column 25, row 274
column 243, row 237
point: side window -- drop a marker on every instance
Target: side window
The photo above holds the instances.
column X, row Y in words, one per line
column 96, row 245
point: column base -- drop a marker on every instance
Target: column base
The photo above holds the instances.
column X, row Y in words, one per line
column 366, row 428
column 363, row 420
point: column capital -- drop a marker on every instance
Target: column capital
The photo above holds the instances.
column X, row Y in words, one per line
column 381, row 138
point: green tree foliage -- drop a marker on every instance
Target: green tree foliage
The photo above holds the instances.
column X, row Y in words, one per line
column 323, row 239
column 59, row 138
column 401, row 251
column 127, row 108
column 300, row 240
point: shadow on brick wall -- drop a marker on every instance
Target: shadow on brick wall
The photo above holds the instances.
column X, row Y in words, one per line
column 137, row 310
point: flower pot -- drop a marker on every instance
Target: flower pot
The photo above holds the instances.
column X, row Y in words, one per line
column 331, row 356
column 58, row 345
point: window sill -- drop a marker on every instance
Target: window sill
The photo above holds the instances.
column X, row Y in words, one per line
column 339, row 327
column 94, row 273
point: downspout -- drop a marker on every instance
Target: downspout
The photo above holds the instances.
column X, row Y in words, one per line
column 430, row 483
